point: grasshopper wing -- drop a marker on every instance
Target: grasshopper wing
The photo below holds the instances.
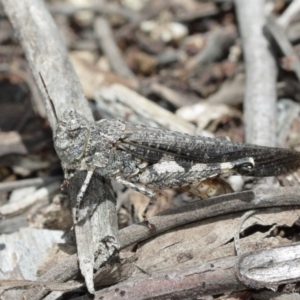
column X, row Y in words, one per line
column 153, row 144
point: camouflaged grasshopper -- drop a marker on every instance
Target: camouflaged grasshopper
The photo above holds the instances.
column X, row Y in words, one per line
column 148, row 159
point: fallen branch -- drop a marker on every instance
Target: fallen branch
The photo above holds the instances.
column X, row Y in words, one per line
column 261, row 74
column 47, row 55
column 174, row 218
column 109, row 47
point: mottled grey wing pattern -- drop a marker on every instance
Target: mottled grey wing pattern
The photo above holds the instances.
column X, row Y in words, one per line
column 152, row 144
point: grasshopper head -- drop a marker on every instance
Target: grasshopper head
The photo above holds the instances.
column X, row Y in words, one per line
column 71, row 137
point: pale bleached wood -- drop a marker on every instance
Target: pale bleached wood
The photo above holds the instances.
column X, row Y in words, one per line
column 258, row 269
column 170, row 219
column 120, row 102
column 261, row 74
column 47, row 54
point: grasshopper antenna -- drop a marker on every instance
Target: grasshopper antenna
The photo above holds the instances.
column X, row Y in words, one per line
column 49, row 98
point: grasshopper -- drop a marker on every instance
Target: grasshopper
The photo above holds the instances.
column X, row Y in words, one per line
column 149, row 159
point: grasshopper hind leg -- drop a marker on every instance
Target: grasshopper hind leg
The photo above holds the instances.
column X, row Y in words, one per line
column 170, row 174
column 147, row 192
column 173, row 174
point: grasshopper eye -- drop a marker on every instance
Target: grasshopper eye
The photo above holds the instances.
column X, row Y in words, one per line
column 74, row 132
column 73, row 128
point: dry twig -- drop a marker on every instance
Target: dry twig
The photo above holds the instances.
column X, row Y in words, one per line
column 47, row 55
column 292, row 58
column 200, row 210
column 287, row 16
column 260, row 98
column 110, row 48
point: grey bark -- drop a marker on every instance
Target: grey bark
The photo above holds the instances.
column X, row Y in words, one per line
column 260, row 98
column 47, row 54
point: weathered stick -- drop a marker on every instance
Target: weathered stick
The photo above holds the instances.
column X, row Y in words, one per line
column 258, row 269
column 287, row 16
column 285, row 45
column 170, row 219
column 98, row 7
column 47, row 55
column 118, row 101
column 11, row 185
column 260, row 98
column 110, row 48
column 212, row 207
